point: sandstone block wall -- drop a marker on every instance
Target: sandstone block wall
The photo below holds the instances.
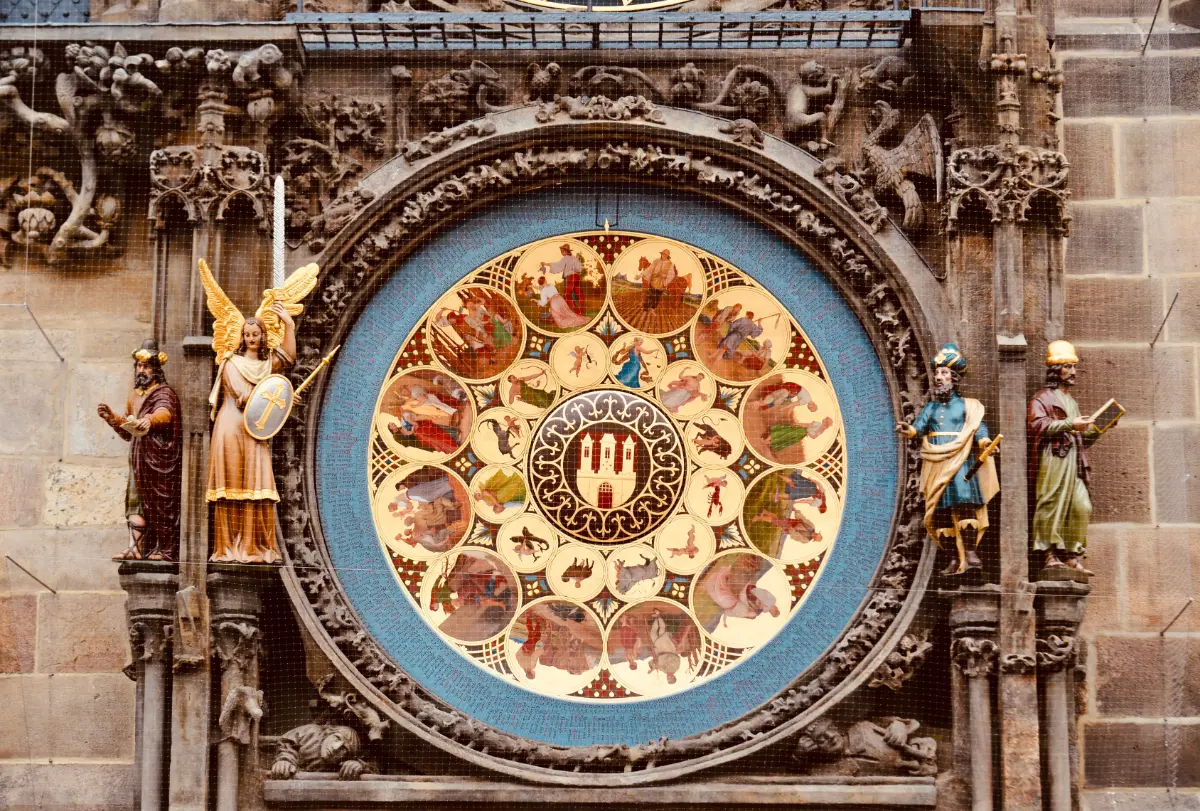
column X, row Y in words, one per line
column 1132, row 127
column 66, row 710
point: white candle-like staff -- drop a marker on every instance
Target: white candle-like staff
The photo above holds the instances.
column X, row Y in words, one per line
column 277, row 272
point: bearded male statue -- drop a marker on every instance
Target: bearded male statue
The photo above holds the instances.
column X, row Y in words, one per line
column 151, row 424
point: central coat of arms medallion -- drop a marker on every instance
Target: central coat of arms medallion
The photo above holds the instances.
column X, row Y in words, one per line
column 607, row 466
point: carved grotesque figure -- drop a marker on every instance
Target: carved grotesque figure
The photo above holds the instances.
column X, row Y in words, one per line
column 319, row 748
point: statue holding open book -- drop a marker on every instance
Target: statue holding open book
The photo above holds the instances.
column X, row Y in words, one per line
column 1059, row 436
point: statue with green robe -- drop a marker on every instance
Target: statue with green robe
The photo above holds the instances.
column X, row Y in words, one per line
column 1058, row 437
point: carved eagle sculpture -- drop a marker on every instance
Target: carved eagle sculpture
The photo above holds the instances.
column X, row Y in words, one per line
column 892, row 170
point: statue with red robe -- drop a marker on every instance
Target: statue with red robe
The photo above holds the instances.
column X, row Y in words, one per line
column 152, row 426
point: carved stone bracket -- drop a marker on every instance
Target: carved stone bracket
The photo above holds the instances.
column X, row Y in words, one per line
column 356, row 264
column 205, row 181
column 974, row 656
column 1007, row 181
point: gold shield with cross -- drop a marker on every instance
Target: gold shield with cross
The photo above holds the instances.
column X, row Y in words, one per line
column 268, row 407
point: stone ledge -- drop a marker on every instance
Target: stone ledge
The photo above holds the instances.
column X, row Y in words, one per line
column 316, row 790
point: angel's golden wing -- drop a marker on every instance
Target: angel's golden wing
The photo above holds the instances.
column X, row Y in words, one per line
column 227, row 319
column 294, row 289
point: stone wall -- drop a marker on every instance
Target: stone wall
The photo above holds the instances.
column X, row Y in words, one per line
column 1131, row 127
column 66, row 710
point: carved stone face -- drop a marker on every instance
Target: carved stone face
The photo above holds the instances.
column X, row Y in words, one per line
column 333, row 748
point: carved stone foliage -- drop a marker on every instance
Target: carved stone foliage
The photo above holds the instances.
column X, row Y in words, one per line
column 507, row 173
column 747, row 92
column 341, row 138
column 600, row 108
column 884, row 746
column 149, row 640
column 461, row 94
column 850, row 190
column 614, row 82
column 440, row 141
column 974, row 656
column 902, row 663
column 687, row 85
column 106, row 95
column 1007, row 182
column 100, row 94
column 1021, row 664
column 744, row 131
column 32, row 207
column 1056, row 652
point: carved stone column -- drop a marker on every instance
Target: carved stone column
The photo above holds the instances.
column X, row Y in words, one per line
column 201, row 180
column 149, row 608
column 1060, row 605
column 974, row 617
column 236, row 605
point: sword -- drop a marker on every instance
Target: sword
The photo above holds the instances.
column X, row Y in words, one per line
column 988, row 450
column 324, row 362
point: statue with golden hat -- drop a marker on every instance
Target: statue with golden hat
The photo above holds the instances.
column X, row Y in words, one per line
column 1059, row 436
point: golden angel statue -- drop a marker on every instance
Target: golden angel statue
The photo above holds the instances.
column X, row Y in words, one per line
column 241, row 483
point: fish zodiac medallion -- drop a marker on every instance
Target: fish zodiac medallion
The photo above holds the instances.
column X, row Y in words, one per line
column 607, row 466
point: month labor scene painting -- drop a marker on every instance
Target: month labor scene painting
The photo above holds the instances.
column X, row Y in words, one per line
column 607, row 466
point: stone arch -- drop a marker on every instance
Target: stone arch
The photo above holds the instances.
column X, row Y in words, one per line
column 891, row 290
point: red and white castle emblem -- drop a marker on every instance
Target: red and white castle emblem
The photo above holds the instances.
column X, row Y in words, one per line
column 606, row 476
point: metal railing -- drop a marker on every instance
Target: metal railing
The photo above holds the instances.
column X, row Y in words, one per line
column 607, row 31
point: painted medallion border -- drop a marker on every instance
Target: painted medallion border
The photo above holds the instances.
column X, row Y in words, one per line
column 847, row 663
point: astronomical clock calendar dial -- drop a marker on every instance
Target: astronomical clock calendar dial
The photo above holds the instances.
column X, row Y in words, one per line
column 607, row 466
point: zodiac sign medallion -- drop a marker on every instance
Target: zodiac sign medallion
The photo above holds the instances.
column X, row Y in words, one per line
column 607, row 466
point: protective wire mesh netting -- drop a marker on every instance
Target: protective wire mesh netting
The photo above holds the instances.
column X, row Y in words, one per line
column 610, row 398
